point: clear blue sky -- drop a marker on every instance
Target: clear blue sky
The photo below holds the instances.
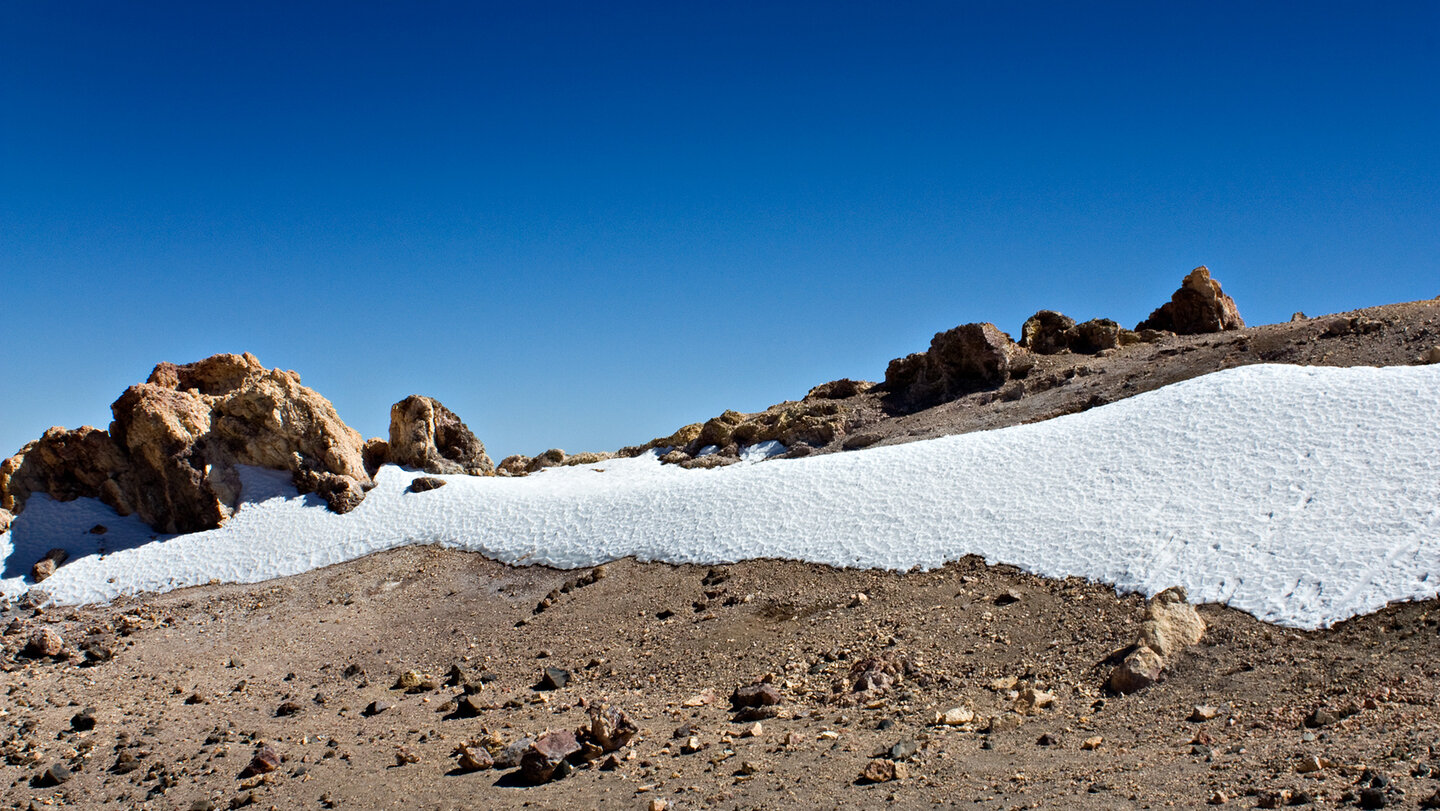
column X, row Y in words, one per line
column 583, row 225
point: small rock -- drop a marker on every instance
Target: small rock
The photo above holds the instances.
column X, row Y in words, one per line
column 475, row 758
column 1432, row 355
column 755, row 695
column 286, row 709
column 904, row 750
column 755, row 730
column 55, row 775
column 1140, row 669
column 266, row 760
column 47, row 565
column 469, row 706
column 44, row 642
column 1218, row 798
column 422, row 484
column 405, row 755
column 1047, row 740
column 858, row 599
column 553, row 678
column 1032, row 701
column 377, row 707
column 1310, row 765
column 1321, row 717
column 658, row 804
column 1091, row 743
column 691, row 745
column 1433, row 801
column 748, row 767
column 413, row 681
column 704, row 698
column 1372, row 798
column 1010, row 597
column 1272, row 799
column 1202, row 713
column 884, row 771
column 954, row 717
column 83, row 721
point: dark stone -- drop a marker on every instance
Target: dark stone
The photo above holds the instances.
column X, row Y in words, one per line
column 553, row 678
column 83, row 721
column 755, row 695
column 904, row 750
column 422, row 484
column 55, row 775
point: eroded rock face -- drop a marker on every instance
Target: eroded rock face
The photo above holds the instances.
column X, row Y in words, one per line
column 1045, row 332
column 1198, row 307
column 968, row 358
column 171, row 452
column 426, row 435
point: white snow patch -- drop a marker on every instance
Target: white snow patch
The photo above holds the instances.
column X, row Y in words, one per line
column 1301, row 495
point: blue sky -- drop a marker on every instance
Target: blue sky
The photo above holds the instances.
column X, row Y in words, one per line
column 583, row 225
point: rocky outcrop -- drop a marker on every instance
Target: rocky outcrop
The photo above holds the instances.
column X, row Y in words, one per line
column 1170, row 626
column 1198, row 307
column 426, row 435
column 841, row 389
column 1046, row 332
column 1049, row 333
column 968, row 358
column 171, row 453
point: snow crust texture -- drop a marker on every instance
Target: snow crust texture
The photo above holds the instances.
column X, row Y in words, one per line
column 1302, row 495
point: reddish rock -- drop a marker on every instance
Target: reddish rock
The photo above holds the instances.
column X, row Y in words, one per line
column 755, row 695
column 544, row 758
column 266, row 760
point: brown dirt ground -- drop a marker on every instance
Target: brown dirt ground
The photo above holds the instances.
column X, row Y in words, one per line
column 197, row 675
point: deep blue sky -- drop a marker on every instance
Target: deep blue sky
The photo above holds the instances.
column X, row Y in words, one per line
column 583, row 225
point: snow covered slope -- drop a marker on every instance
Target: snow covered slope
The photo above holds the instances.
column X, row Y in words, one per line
column 1301, row 495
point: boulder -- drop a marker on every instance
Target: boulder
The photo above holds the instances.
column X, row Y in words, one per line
column 171, row 453
column 1095, row 335
column 968, row 358
column 1199, row 306
column 542, row 760
column 1046, row 332
column 426, row 435
column 1171, row 624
